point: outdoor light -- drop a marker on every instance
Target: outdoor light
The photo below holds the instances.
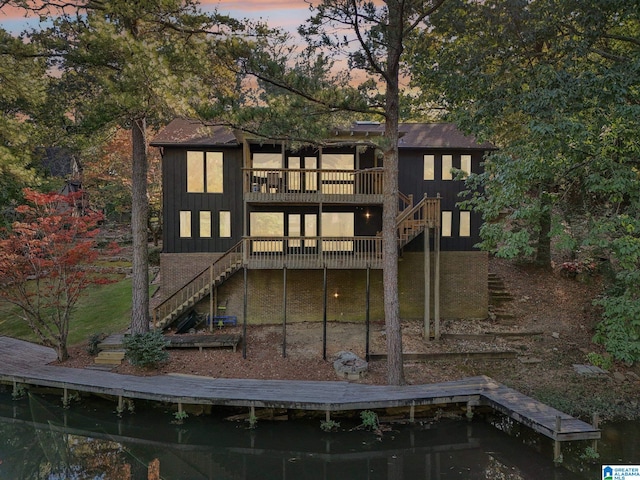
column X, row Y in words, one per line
column 336, row 295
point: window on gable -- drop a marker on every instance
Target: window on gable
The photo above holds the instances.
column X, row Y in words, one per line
column 447, row 165
column 205, row 172
column 429, row 167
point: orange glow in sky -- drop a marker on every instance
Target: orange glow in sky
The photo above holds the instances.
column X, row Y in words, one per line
column 282, row 13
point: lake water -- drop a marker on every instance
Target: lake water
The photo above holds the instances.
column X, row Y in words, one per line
column 40, row 440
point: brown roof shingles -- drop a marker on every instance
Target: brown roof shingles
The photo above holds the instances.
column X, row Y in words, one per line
column 185, row 132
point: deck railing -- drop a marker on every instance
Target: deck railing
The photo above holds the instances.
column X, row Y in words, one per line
column 313, row 252
column 412, row 221
column 313, row 181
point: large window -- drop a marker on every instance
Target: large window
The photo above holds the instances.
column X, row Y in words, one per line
column 267, row 224
column 337, row 224
column 337, row 181
column 205, row 172
column 267, row 176
column 429, row 167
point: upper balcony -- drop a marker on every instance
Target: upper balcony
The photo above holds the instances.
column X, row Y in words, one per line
column 280, row 185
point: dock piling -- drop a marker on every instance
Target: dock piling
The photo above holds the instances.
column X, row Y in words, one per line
column 557, row 446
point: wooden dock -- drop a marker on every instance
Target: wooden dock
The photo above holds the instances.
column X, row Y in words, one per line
column 24, row 363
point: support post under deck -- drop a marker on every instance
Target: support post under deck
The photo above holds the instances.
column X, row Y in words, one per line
column 427, row 283
column 244, row 314
column 324, row 314
column 367, row 314
column 284, row 312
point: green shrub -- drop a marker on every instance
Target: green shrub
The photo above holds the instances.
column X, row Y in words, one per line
column 369, row 420
column 146, row 349
column 329, row 425
column 94, row 342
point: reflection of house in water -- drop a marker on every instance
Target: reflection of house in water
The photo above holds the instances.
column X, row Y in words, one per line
column 305, row 224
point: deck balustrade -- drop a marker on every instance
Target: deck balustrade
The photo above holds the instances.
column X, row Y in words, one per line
column 313, row 185
column 313, row 252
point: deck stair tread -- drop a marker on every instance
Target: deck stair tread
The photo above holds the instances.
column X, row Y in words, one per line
column 27, row 363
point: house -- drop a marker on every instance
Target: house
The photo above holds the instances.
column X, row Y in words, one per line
column 304, row 225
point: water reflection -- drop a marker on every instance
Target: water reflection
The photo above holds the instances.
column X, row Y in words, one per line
column 40, row 440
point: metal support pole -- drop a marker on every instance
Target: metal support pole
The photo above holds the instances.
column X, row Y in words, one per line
column 427, row 283
column 213, row 291
column 324, row 314
column 244, row 315
column 436, row 289
column 284, row 312
column 367, row 314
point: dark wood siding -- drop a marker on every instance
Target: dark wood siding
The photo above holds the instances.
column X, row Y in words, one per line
column 176, row 199
column 411, row 181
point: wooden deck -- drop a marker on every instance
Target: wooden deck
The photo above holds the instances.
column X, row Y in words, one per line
column 26, row 363
column 204, row 341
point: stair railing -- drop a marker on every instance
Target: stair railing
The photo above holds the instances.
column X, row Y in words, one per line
column 200, row 284
column 412, row 221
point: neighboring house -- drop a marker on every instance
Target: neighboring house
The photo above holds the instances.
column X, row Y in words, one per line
column 305, row 225
column 63, row 163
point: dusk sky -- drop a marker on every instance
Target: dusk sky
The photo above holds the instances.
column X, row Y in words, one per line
column 284, row 13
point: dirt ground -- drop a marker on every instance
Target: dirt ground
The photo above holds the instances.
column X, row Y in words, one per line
column 553, row 312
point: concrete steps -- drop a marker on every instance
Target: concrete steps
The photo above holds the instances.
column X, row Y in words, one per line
column 499, row 298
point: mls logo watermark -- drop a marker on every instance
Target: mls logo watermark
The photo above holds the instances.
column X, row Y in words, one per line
column 621, row 472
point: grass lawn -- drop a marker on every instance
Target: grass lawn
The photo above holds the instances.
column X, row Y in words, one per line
column 101, row 309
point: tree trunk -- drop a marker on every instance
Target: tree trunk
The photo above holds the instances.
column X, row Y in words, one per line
column 543, row 251
column 395, row 368
column 139, row 219
column 62, row 352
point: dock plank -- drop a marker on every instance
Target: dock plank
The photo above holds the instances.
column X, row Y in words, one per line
column 27, row 363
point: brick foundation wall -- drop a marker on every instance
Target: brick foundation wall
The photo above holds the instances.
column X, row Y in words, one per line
column 463, row 289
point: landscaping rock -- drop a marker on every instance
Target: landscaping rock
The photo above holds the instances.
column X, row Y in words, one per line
column 348, row 365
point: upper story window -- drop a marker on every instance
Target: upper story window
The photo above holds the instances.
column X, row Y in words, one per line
column 447, row 165
column 205, row 172
column 338, row 161
column 267, row 161
column 465, row 164
column 429, row 167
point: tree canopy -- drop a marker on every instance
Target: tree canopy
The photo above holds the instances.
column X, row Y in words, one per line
column 555, row 85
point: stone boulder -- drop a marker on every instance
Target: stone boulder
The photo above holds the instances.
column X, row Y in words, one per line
column 348, row 365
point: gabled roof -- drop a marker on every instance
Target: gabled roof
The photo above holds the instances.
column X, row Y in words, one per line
column 193, row 133
column 437, row 135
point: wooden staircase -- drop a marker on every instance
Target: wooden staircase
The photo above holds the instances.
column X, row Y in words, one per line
column 413, row 219
column 111, row 352
column 198, row 288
